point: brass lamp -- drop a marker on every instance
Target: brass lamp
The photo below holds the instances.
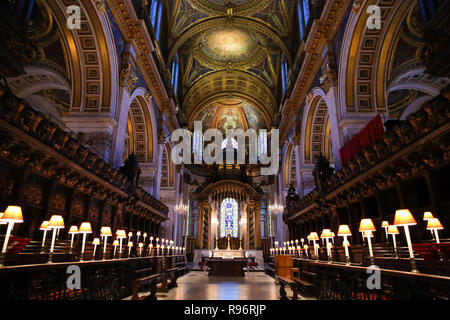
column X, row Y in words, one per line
column 138, row 234
column 367, row 226
column 12, row 214
column 44, row 227
column 326, row 234
column 120, row 234
column 56, row 222
column 313, row 236
column 344, row 231
column 115, row 244
column 105, row 232
column 404, row 218
column 385, row 226
column 392, row 230
column 85, row 228
column 130, row 245
column 72, row 231
column 95, row 242
column 435, row 225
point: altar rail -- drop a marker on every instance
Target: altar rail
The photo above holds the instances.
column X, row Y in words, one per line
column 347, row 282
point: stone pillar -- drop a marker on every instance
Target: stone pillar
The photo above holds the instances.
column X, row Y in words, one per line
column 257, row 225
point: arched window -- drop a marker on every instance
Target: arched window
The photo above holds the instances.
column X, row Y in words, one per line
column 303, row 16
column 155, row 16
column 234, row 143
column 175, row 68
column 229, row 218
column 197, row 145
column 262, row 143
column 284, row 74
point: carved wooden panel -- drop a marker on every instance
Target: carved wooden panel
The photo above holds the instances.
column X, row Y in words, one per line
column 94, row 211
column 107, row 214
column 7, row 179
column 59, row 199
column 33, row 190
column 79, row 205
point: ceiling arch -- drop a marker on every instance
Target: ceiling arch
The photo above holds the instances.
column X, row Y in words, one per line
column 220, row 7
column 222, row 22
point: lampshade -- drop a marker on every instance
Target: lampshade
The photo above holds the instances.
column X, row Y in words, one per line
column 403, row 217
column 145, row 234
column 366, row 225
column 1, row 215
column 44, row 225
column 138, row 233
column 116, row 243
column 314, row 236
column 56, row 222
column 73, row 229
column 85, row 228
column 326, row 233
column 346, row 243
column 427, row 215
column 141, row 244
column 130, row 234
column 385, row 224
column 121, row 234
column 13, row 214
column 105, row 232
column 130, row 244
column 434, row 224
column 392, row 230
column 96, row 241
column 344, row 230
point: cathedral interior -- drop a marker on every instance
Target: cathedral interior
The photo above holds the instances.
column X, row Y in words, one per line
column 349, row 103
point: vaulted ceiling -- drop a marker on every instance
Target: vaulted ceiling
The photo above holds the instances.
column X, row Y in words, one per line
column 229, row 52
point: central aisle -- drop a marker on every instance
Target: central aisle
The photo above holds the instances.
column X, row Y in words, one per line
column 196, row 285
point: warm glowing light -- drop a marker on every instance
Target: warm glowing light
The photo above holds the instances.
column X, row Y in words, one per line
column 403, row 217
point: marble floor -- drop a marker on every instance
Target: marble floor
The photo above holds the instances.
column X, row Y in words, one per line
column 197, row 285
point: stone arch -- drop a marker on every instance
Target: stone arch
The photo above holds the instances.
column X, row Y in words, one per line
column 167, row 168
column 317, row 125
column 364, row 64
column 91, row 57
column 290, row 166
column 142, row 121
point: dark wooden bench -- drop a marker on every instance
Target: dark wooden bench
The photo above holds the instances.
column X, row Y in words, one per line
column 143, row 272
column 172, row 275
column 149, row 281
column 287, row 282
column 305, row 282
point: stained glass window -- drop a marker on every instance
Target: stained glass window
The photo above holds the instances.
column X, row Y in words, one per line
column 197, row 145
column 303, row 16
column 229, row 218
column 262, row 143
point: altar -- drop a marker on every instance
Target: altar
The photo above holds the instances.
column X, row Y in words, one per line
column 228, row 254
column 226, row 267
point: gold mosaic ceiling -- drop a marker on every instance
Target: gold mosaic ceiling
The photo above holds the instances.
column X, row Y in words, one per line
column 230, row 50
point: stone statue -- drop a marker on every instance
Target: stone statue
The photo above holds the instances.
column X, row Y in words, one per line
column 291, row 196
column 322, row 173
column 132, row 171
